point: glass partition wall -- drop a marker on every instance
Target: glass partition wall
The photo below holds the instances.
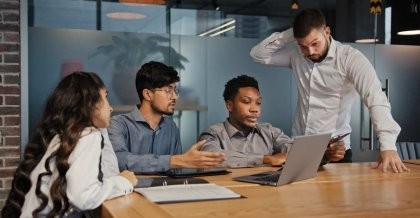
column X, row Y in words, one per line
column 65, row 36
column 208, row 42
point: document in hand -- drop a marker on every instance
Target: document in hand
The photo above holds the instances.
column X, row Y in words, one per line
column 187, row 192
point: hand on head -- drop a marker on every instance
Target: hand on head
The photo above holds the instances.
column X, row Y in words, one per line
column 391, row 159
column 194, row 158
column 335, row 151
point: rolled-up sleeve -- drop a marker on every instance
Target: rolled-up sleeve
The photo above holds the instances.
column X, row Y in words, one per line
column 273, row 50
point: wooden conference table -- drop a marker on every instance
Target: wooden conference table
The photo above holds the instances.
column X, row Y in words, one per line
column 345, row 190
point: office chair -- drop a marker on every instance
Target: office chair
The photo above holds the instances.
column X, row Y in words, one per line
column 408, row 150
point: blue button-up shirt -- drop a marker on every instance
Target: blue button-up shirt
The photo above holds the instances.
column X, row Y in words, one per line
column 138, row 147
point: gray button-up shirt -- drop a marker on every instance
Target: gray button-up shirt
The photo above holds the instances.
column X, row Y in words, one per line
column 242, row 150
column 138, row 147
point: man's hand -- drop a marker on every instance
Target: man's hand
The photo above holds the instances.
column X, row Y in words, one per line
column 391, row 159
column 275, row 159
column 194, row 158
column 335, row 151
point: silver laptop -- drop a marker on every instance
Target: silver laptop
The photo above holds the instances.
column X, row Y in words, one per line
column 302, row 162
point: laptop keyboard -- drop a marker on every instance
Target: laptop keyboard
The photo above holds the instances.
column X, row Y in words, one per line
column 273, row 178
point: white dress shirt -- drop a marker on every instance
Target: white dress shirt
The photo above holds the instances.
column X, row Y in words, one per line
column 326, row 90
column 84, row 190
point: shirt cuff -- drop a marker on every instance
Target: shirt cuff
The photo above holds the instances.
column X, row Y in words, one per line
column 387, row 142
column 282, row 38
column 164, row 163
column 121, row 187
column 255, row 160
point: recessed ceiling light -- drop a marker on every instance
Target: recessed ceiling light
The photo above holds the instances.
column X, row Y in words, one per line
column 366, row 40
column 126, row 15
column 409, row 32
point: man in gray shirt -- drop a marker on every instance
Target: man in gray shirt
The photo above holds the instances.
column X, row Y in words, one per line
column 246, row 142
column 147, row 139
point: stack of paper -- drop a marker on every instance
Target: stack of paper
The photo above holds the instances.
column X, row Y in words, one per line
column 187, row 192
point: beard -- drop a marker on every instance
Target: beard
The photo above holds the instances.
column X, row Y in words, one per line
column 324, row 52
column 315, row 58
column 165, row 112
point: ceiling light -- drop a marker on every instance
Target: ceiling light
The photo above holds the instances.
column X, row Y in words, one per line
column 222, row 31
column 411, row 24
column 228, row 25
column 126, row 15
column 367, row 40
column 409, row 32
column 294, row 5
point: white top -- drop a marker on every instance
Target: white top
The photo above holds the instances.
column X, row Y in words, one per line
column 327, row 89
column 84, row 190
column 109, row 159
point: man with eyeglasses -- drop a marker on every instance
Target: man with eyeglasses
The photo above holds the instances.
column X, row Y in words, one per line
column 147, row 141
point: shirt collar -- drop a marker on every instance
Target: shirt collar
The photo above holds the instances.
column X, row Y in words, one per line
column 138, row 117
column 231, row 130
column 331, row 49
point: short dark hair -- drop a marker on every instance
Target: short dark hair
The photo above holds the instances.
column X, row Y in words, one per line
column 307, row 20
column 154, row 75
column 233, row 85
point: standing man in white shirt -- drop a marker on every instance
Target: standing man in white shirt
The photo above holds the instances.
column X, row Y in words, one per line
column 329, row 75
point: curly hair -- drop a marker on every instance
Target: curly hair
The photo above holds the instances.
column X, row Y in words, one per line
column 67, row 112
column 233, row 85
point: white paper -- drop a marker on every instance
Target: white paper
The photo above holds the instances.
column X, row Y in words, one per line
column 192, row 192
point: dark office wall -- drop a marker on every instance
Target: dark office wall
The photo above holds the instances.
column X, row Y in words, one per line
column 354, row 21
column 399, row 65
column 9, row 94
column 404, row 18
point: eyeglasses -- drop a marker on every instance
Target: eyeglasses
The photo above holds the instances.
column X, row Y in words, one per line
column 169, row 92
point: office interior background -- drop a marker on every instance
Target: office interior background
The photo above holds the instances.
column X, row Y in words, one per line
column 208, row 42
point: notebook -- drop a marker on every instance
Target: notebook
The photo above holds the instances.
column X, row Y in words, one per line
column 187, row 192
column 159, row 181
column 190, row 172
column 302, row 162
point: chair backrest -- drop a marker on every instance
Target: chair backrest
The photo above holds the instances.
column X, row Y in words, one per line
column 408, row 150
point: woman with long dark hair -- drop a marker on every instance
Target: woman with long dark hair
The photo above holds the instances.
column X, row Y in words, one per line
column 60, row 174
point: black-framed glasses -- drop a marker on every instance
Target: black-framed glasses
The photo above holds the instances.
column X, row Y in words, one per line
column 169, row 92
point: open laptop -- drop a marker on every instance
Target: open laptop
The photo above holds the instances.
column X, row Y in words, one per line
column 302, row 162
